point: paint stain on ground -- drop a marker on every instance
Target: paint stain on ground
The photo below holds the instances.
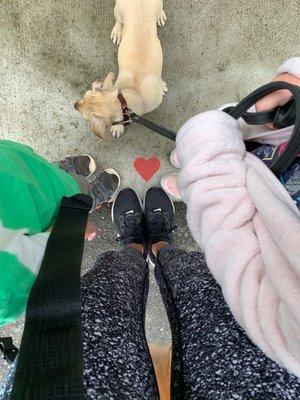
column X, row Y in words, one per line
column 147, row 168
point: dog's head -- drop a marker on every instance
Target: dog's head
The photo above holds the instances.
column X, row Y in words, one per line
column 98, row 104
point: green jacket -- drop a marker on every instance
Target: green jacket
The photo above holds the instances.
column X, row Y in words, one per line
column 31, row 189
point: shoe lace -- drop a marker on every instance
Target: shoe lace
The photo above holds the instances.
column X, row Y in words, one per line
column 158, row 223
column 129, row 224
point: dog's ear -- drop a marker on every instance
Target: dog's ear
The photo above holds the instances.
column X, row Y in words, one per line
column 96, row 86
column 99, row 127
column 108, row 81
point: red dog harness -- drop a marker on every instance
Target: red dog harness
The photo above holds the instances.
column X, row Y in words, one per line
column 125, row 111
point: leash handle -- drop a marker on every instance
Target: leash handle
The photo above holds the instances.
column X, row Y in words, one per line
column 281, row 117
column 293, row 146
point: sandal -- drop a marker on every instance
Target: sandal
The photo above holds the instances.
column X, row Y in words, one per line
column 104, row 187
column 83, row 165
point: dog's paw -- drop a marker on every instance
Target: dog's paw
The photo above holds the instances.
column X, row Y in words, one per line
column 161, row 19
column 117, row 131
column 164, row 87
column 116, row 34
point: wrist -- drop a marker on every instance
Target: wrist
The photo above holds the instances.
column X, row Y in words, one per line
column 289, row 78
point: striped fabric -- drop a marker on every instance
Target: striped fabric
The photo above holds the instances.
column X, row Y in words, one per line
column 31, row 190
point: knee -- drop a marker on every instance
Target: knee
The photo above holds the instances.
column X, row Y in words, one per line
column 128, row 259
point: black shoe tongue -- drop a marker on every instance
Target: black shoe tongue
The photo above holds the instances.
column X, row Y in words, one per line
column 158, row 221
column 131, row 221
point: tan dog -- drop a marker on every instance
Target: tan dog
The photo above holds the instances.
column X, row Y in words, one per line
column 140, row 67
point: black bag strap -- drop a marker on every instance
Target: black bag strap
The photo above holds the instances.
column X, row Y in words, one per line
column 283, row 116
column 50, row 361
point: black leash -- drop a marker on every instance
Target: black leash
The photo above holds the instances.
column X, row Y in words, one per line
column 152, row 126
column 281, row 117
column 290, row 116
column 50, row 361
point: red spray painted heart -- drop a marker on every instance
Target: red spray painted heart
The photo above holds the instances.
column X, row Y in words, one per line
column 147, row 168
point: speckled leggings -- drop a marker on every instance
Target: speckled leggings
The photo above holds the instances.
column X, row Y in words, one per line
column 212, row 356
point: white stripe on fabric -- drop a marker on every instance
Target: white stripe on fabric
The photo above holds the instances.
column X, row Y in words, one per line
column 29, row 249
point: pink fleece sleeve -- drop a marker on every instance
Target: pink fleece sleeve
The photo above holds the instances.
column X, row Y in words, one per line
column 291, row 66
column 249, row 229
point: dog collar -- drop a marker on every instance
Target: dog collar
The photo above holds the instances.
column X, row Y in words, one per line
column 125, row 111
column 128, row 115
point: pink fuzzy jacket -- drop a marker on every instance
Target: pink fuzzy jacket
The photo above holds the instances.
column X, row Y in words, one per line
column 249, row 228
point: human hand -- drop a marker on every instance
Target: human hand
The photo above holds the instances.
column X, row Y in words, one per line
column 278, row 98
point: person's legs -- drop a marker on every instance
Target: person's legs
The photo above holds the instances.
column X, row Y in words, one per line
column 212, row 356
column 117, row 364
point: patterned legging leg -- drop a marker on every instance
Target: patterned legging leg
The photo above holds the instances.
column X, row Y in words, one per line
column 213, row 359
column 117, row 363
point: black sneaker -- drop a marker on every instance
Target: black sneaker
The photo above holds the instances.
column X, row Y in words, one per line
column 127, row 215
column 159, row 218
